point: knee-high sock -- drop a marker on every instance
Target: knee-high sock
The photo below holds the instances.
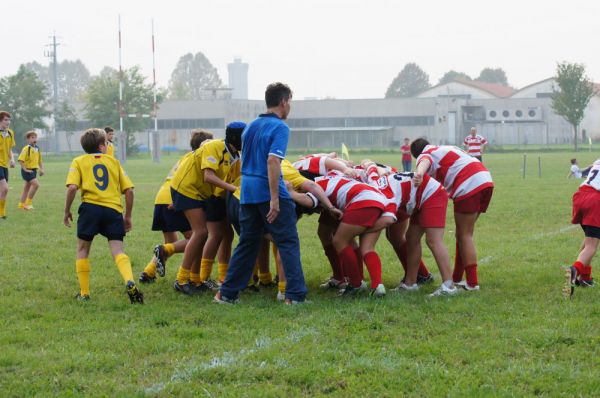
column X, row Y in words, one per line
column 169, row 249
column 2, row 207
column 471, row 271
column 82, row 267
column 334, row 261
column 206, row 266
column 150, row 269
column 459, row 267
column 124, row 265
column 360, row 260
column 373, row 263
column 183, row 275
column 349, row 264
column 585, row 271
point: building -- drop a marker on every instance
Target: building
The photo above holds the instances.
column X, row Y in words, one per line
column 238, row 79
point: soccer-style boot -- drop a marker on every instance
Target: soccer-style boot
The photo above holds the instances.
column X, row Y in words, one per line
column 403, row 287
column 585, row 283
column 349, row 292
column 185, row 288
column 444, row 290
column 135, row 296
column 82, row 297
column 145, row 278
column 378, row 292
column 570, row 281
column 423, row 280
column 333, row 283
column 466, row 286
column 218, row 299
column 161, row 259
column 212, row 285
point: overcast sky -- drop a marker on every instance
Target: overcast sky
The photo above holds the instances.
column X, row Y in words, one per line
column 342, row 49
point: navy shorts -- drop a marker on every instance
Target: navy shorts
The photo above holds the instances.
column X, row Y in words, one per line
column 95, row 219
column 29, row 176
column 590, row 231
column 216, row 209
column 233, row 212
column 3, row 173
column 182, row 202
column 169, row 220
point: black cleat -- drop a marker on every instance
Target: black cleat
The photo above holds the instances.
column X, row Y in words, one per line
column 423, row 280
column 349, row 292
column 82, row 297
column 212, row 285
column 570, row 282
column 145, row 278
column 199, row 288
column 135, row 296
column 161, row 259
column 583, row 283
column 184, row 288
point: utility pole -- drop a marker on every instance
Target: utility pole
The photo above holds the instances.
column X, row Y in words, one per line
column 52, row 55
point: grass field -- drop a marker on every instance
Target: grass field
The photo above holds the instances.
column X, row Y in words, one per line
column 516, row 337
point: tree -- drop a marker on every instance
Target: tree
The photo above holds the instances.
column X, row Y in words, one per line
column 491, row 75
column 73, row 78
column 410, row 81
column 66, row 120
column 193, row 74
column 452, row 75
column 102, row 98
column 574, row 93
column 24, row 96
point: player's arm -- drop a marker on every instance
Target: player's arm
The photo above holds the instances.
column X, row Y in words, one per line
column 422, row 169
column 71, row 192
column 211, row 177
column 334, row 164
column 317, row 191
column 300, row 198
column 128, row 209
column 25, row 169
column 273, row 171
column 11, row 156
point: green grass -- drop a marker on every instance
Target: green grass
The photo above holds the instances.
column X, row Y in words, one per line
column 515, row 337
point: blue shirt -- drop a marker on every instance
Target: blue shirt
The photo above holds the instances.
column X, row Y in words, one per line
column 266, row 135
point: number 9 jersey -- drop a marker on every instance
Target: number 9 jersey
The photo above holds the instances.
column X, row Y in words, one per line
column 100, row 178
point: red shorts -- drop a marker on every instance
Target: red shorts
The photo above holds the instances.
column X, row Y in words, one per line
column 477, row 203
column 364, row 217
column 586, row 207
column 401, row 214
column 432, row 213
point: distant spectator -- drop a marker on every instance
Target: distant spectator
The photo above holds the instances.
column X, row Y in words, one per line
column 474, row 143
column 576, row 171
column 406, row 156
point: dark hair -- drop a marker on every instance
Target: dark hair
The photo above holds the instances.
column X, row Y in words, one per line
column 277, row 92
column 573, row 161
column 307, row 174
column 108, row 129
column 417, row 146
column 198, row 137
column 4, row 114
column 92, row 139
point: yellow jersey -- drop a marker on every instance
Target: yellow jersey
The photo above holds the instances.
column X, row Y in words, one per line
column 216, row 156
column 7, row 141
column 31, row 157
column 100, row 178
column 110, row 148
column 288, row 172
column 163, row 196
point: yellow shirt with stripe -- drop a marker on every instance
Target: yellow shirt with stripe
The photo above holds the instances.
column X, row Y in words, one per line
column 100, row 178
column 188, row 179
column 288, row 172
column 7, row 141
column 216, row 156
column 110, row 148
column 31, row 157
column 163, row 196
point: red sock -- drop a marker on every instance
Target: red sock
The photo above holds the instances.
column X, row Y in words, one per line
column 459, row 267
column 349, row 264
column 334, row 261
column 374, row 266
column 586, row 275
column 402, row 254
column 471, row 271
column 423, row 271
column 359, row 258
column 580, row 267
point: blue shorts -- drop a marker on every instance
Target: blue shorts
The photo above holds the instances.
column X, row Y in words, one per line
column 3, row 173
column 216, row 209
column 169, row 220
column 29, row 176
column 233, row 212
column 182, row 202
column 95, row 219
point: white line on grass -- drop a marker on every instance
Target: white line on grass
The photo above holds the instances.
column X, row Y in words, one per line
column 184, row 372
column 554, row 233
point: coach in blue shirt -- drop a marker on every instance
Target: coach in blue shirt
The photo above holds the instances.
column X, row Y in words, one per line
column 265, row 204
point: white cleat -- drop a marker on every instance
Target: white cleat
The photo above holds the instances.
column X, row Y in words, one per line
column 406, row 288
column 444, row 290
column 379, row 291
column 466, row 286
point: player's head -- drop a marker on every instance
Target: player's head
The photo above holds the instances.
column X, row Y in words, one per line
column 94, row 141
column 110, row 133
column 233, row 134
column 417, row 146
column 4, row 120
column 31, row 137
column 406, row 141
column 473, row 131
column 198, row 137
column 573, row 161
column 279, row 95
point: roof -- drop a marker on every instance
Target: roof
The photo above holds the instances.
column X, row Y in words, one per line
column 497, row 90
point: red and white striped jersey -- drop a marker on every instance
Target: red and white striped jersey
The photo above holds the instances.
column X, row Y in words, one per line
column 401, row 192
column 474, row 144
column 348, row 194
column 312, row 164
column 461, row 175
column 593, row 179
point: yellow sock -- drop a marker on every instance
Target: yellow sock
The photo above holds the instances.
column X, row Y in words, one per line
column 2, row 207
column 150, row 269
column 206, row 266
column 20, row 205
column 183, row 275
column 82, row 267
column 222, row 268
column 124, row 265
column 28, row 201
column 195, row 278
column 265, row 277
column 281, row 286
column 169, row 249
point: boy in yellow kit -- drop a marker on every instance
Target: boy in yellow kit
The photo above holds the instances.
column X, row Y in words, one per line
column 31, row 161
column 102, row 181
column 110, row 135
column 7, row 141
